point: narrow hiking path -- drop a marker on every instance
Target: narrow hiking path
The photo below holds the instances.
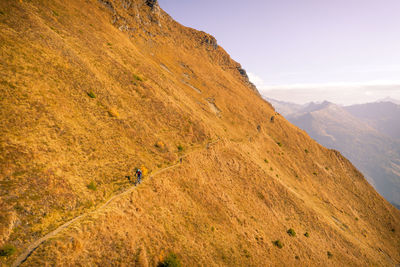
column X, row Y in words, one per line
column 33, row 246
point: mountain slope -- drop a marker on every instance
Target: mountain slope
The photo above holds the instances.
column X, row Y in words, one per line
column 85, row 99
column 383, row 116
column 375, row 154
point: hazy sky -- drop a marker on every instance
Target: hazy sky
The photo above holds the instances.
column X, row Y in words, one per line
column 301, row 50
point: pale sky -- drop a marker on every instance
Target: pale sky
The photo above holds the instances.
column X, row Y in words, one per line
column 344, row 51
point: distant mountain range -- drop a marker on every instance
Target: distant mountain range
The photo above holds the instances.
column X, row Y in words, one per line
column 368, row 134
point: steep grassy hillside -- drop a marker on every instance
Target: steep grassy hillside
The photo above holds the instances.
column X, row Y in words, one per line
column 92, row 89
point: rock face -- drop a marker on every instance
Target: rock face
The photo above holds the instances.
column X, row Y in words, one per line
column 210, row 40
column 84, row 103
column 151, row 3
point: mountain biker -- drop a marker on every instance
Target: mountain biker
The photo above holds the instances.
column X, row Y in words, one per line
column 139, row 174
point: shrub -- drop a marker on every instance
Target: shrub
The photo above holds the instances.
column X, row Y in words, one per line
column 112, row 112
column 265, row 160
column 246, row 253
column 291, row 232
column 314, row 173
column 91, row 94
column 170, row 261
column 7, row 250
column 330, row 255
column 278, row 243
column 145, row 171
column 297, row 257
column 137, row 78
column 306, row 150
column 92, row 186
column 306, row 234
column 180, row 148
column 271, row 169
column 279, row 144
column 160, row 145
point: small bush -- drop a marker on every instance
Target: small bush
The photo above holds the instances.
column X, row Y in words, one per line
column 271, row 169
column 160, row 145
column 306, row 150
column 145, row 171
column 92, row 186
column 91, row 94
column 279, row 144
column 278, row 243
column 314, row 173
column 109, row 44
column 330, row 255
column 291, row 232
column 297, row 257
column 7, row 250
column 112, row 112
column 180, row 148
column 137, row 78
column 306, row 234
column 170, row 261
column 265, row 160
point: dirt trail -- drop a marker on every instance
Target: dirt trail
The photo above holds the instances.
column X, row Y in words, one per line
column 32, row 247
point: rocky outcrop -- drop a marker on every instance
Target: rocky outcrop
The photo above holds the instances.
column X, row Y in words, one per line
column 151, row 3
column 243, row 73
column 209, row 40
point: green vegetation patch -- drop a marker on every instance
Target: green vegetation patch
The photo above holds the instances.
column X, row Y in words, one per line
column 291, row 232
column 330, row 255
column 92, row 186
column 306, row 234
column 7, row 250
column 91, row 94
column 278, row 243
column 137, row 78
column 180, row 148
column 170, row 261
column 279, row 144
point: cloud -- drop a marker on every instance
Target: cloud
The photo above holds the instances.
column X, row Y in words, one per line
column 256, row 80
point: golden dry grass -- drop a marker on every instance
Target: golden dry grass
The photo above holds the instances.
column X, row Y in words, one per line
column 222, row 206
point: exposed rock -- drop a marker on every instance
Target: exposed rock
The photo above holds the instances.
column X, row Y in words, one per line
column 209, row 40
column 151, row 3
column 107, row 4
column 246, row 78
